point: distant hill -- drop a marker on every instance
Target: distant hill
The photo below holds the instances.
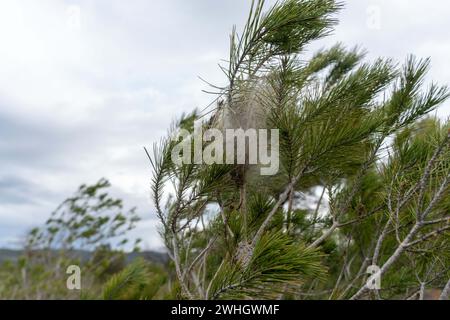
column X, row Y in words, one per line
column 11, row 255
column 151, row 256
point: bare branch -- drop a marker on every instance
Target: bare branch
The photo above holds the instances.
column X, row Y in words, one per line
column 446, row 292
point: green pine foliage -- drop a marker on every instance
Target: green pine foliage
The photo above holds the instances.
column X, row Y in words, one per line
column 363, row 180
column 138, row 281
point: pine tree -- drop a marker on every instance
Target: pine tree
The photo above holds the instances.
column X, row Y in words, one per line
column 363, row 179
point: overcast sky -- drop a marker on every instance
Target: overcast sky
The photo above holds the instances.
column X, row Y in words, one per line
column 84, row 85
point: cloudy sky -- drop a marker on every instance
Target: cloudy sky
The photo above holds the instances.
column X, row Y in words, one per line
column 85, row 84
